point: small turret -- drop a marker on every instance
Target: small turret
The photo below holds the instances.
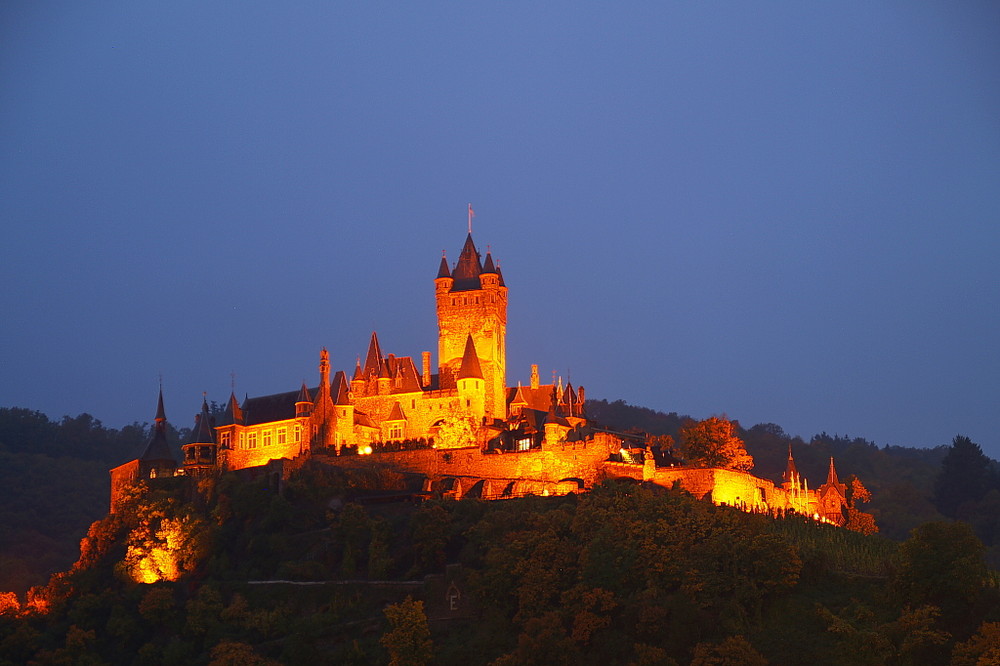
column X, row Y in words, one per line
column 201, row 453
column 303, row 404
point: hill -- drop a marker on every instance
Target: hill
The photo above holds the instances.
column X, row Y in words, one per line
column 624, row 574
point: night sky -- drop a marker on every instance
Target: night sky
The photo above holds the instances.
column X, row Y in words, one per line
column 785, row 212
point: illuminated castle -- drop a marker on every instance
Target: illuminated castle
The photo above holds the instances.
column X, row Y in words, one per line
column 461, row 428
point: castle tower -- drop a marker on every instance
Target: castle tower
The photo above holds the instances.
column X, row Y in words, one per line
column 156, row 459
column 833, row 497
column 323, row 418
column 471, row 385
column 201, row 453
column 472, row 301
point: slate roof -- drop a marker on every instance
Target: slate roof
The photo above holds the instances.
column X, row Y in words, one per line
column 203, row 432
column 373, row 361
column 396, row 414
column 339, row 389
column 443, row 270
column 276, row 407
column 157, row 448
column 539, row 398
column 470, row 362
column 468, row 268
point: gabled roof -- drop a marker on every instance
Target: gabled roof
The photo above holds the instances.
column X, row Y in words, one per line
column 405, row 375
column 468, row 268
column 339, row 390
column 538, row 398
column 275, row 407
column 470, row 362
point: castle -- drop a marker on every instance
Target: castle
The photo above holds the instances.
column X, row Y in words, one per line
column 461, row 428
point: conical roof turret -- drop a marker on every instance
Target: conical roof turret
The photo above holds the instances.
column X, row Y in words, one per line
column 443, row 270
column 470, row 367
column 203, row 432
column 488, row 266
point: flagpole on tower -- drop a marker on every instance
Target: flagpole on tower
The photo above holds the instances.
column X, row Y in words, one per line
column 471, row 215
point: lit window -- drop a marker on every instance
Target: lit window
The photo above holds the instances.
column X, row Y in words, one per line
column 524, row 444
column 282, row 435
column 251, row 440
column 224, row 439
column 298, row 434
column 243, row 440
column 267, row 438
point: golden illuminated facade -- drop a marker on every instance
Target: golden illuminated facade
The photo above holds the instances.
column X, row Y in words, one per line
column 458, row 425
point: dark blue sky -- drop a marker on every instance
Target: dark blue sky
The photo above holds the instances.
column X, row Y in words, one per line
column 783, row 212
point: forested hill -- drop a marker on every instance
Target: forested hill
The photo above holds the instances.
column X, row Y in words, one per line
column 53, row 484
column 904, row 482
column 54, row 478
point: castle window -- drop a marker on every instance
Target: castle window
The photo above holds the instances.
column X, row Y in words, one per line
column 298, row 433
column 267, row 437
column 243, row 440
column 413, row 404
column 282, row 435
column 524, row 444
column 251, row 440
column 468, row 403
column 224, row 439
column 396, row 431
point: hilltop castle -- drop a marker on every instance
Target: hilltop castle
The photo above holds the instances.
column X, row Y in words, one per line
column 459, row 426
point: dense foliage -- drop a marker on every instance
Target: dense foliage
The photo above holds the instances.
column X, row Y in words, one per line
column 625, row 574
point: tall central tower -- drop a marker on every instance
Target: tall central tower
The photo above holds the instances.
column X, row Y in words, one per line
column 472, row 301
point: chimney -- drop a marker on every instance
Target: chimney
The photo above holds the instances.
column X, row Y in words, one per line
column 426, row 378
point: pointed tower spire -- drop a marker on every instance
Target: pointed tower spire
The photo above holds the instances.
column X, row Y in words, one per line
column 443, row 270
column 831, row 476
column 161, row 415
column 468, row 268
column 470, row 362
column 373, row 361
column 203, row 432
column 488, row 266
column 157, row 450
column 791, row 475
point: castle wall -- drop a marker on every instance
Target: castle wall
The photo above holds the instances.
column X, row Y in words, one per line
column 536, row 470
column 267, row 444
column 122, row 477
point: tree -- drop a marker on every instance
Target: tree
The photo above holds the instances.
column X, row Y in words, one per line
column 713, row 443
column 409, row 638
column 733, row 651
column 942, row 565
column 858, row 520
column 964, row 477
